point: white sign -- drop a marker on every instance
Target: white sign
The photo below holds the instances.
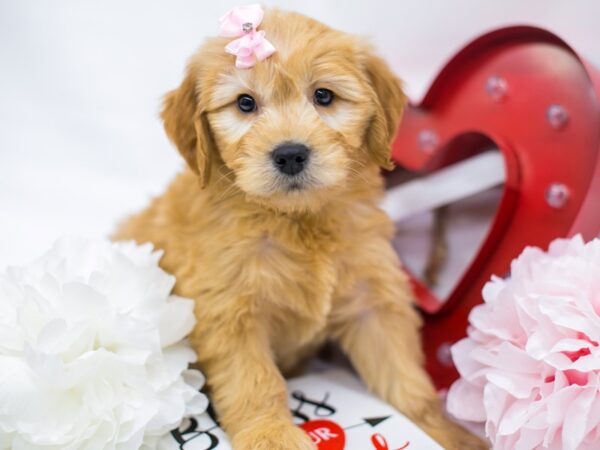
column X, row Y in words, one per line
column 334, row 408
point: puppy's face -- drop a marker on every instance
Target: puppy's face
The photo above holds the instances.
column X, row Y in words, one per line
column 297, row 128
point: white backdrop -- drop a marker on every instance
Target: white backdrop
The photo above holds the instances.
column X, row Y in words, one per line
column 81, row 81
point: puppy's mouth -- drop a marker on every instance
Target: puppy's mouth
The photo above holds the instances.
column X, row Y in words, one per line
column 299, row 183
column 295, row 186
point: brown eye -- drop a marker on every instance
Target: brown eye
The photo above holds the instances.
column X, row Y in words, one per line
column 246, row 103
column 323, row 97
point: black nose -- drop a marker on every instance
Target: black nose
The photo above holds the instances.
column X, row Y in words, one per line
column 290, row 158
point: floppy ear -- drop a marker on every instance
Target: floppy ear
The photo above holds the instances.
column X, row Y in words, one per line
column 187, row 127
column 389, row 104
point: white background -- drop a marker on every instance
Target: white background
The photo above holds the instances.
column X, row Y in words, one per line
column 81, row 82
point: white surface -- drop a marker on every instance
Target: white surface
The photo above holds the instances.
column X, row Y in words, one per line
column 81, row 80
column 340, row 398
column 450, row 184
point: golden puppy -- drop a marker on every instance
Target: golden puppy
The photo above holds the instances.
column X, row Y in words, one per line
column 275, row 231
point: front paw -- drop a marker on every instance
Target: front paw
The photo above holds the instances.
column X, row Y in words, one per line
column 280, row 435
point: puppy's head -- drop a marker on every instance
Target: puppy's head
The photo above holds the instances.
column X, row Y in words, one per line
column 295, row 130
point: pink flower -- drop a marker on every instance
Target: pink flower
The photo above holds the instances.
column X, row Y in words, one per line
column 530, row 366
column 251, row 46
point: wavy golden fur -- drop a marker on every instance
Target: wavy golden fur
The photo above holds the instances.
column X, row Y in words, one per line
column 276, row 269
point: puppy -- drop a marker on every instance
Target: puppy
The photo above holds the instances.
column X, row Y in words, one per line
column 275, row 230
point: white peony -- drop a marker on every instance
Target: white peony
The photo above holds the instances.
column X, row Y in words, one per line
column 91, row 351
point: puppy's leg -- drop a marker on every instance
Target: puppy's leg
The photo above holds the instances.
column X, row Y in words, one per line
column 247, row 389
column 378, row 328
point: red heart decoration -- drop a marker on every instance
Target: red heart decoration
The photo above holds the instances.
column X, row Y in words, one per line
column 327, row 435
column 525, row 91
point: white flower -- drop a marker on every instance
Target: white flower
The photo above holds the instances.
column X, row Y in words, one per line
column 91, row 351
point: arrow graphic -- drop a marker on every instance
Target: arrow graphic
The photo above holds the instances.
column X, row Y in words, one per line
column 373, row 421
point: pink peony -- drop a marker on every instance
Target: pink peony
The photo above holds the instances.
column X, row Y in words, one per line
column 530, row 366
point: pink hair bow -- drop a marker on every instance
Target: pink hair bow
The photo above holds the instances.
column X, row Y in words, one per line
column 251, row 45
